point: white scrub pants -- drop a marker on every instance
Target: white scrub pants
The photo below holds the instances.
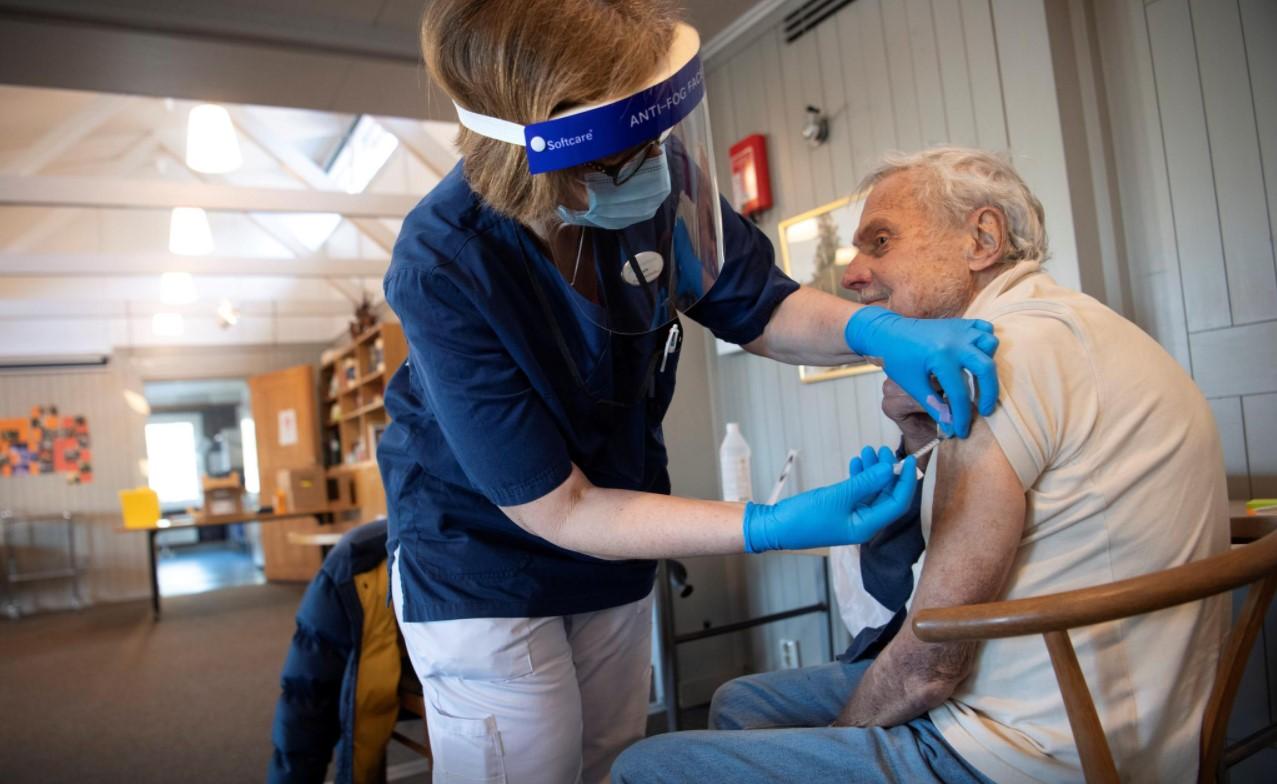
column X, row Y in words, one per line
column 532, row 700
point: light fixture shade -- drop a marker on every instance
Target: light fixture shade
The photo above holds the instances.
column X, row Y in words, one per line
column 188, row 232
column 167, row 325
column 211, row 144
column 227, row 314
column 177, row 288
column 137, row 401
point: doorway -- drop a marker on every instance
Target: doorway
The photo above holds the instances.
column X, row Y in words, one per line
column 201, row 433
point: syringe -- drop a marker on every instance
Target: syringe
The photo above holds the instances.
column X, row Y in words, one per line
column 918, row 454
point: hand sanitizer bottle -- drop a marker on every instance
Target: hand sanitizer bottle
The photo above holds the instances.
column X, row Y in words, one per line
column 733, row 458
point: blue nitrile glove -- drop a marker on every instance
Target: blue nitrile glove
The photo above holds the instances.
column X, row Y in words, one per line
column 687, row 275
column 914, row 350
column 849, row 512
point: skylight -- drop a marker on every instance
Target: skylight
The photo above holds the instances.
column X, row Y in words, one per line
column 362, row 154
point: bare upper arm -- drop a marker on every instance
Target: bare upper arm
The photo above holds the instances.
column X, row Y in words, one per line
column 976, row 523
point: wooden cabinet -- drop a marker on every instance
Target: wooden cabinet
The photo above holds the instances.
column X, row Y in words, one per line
column 285, row 413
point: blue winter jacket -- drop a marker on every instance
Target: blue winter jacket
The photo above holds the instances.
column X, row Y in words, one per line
column 340, row 680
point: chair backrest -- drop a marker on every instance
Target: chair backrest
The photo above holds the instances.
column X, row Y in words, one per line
column 1253, row 565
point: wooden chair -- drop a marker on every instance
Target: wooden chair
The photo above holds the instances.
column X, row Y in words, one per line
column 412, row 703
column 1254, row 565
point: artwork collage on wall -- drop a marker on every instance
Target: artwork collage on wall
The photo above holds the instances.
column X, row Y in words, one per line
column 46, row 443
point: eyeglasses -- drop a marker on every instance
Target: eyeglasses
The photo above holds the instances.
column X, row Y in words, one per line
column 622, row 172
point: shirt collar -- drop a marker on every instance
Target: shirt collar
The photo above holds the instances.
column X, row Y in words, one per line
column 1000, row 285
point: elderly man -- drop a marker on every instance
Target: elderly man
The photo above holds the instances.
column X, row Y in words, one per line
column 1102, row 462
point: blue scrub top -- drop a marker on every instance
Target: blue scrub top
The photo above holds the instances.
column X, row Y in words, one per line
column 486, row 411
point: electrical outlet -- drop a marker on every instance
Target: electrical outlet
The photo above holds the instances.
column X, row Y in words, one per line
column 790, row 657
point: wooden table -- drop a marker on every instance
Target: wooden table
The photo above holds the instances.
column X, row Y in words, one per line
column 1249, row 527
column 202, row 521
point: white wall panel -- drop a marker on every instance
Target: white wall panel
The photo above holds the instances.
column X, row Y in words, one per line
column 1235, row 161
column 986, row 77
column 1260, row 412
column 1259, row 32
column 1236, row 361
column 1232, row 436
column 926, row 72
column 1183, row 125
column 956, row 74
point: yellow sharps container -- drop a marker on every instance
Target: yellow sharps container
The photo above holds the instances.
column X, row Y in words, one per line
column 140, row 507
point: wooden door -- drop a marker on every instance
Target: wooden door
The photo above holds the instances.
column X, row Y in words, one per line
column 285, row 412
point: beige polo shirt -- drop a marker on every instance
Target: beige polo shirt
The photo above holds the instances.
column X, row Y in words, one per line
column 1123, row 473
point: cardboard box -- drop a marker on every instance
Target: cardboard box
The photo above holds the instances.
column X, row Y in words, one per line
column 304, row 488
column 223, row 496
column 341, row 490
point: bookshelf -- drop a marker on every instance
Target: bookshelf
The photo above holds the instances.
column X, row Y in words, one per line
column 352, row 385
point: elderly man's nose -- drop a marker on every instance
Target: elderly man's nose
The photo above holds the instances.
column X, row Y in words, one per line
column 856, row 275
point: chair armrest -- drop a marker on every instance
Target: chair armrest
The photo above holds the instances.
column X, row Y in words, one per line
column 1086, row 606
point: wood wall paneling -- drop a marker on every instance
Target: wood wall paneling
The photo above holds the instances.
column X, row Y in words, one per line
column 951, row 46
column 1034, row 128
column 1260, row 414
column 1235, row 159
column 895, row 28
column 1236, row 361
column 1259, row 31
column 1143, row 186
column 926, row 72
column 1188, row 165
column 1232, row 436
column 985, row 75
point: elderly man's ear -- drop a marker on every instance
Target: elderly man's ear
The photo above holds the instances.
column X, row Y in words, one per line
column 986, row 238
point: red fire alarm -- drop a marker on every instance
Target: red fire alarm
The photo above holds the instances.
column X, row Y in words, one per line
column 751, row 183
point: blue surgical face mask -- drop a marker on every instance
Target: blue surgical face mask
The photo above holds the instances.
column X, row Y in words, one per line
column 618, row 206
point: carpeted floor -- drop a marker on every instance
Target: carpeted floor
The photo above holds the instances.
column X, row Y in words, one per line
column 106, row 695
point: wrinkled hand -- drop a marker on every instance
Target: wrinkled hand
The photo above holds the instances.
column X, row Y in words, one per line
column 849, row 512
column 913, row 420
column 915, row 350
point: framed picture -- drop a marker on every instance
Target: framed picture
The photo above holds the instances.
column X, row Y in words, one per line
column 815, row 249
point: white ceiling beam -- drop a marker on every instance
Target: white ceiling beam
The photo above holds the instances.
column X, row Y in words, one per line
column 291, row 159
column 94, row 288
column 62, row 309
column 296, row 163
column 416, row 139
column 56, row 220
column 281, row 236
column 53, row 265
column 155, row 194
column 66, row 134
column 377, row 232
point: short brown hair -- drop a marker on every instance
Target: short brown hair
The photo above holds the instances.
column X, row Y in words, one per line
column 524, row 61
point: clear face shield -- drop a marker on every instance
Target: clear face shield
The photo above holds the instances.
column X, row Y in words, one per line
column 643, row 239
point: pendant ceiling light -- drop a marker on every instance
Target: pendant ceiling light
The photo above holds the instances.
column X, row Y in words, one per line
column 188, row 232
column 211, row 144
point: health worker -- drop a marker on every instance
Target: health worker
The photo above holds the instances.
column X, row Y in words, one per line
column 541, row 285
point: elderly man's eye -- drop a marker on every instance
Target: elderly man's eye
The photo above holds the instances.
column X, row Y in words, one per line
column 880, row 241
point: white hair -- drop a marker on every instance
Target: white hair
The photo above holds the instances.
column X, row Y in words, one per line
column 958, row 180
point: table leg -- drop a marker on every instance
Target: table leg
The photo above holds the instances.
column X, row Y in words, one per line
column 155, row 575
column 832, row 616
column 669, row 649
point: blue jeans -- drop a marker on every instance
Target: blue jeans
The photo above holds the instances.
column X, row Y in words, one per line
column 787, row 713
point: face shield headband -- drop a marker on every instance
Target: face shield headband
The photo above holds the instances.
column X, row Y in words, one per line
column 590, row 133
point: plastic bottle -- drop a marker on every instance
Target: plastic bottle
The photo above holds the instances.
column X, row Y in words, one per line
column 733, row 460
